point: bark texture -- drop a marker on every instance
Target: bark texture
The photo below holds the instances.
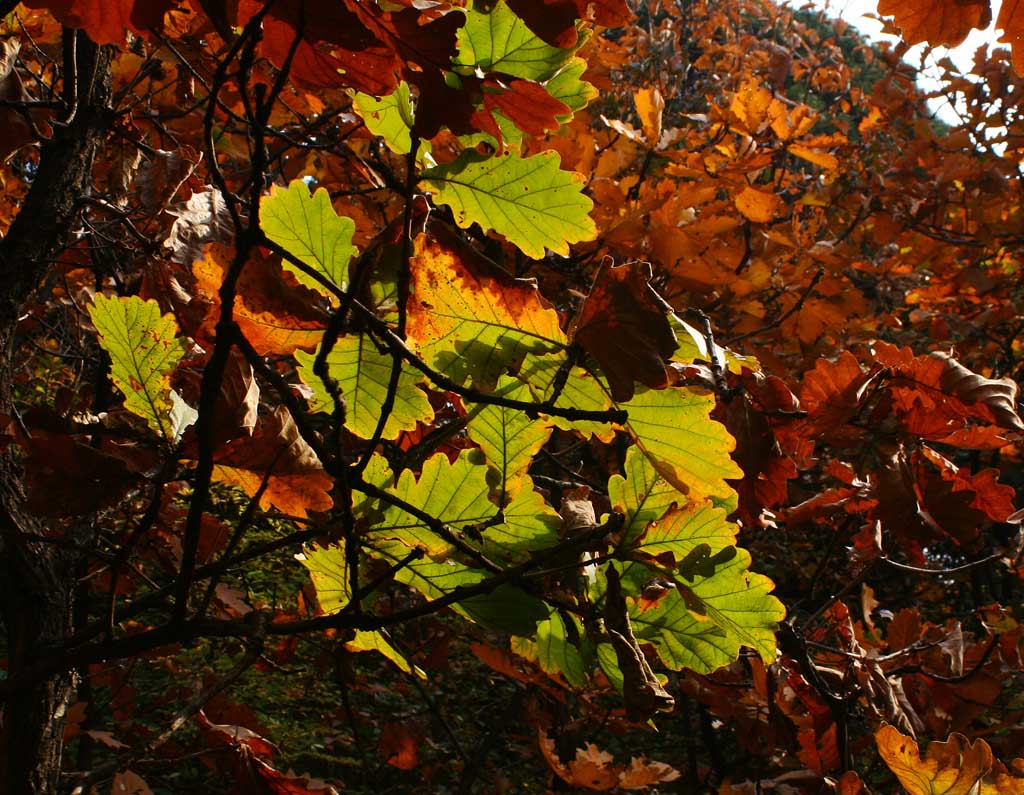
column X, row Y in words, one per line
column 37, row 578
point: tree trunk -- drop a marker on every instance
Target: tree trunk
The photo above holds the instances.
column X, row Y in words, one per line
column 36, row 578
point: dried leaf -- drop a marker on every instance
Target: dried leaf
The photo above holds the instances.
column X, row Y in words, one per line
column 937, row 21
column 625, row 327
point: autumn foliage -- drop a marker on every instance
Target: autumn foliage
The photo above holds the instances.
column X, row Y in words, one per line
column 568, row 395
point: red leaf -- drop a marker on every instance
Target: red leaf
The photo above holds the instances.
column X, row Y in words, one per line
column 530, row 107
column 107, row 21
column 399, row 746
column 624, row 326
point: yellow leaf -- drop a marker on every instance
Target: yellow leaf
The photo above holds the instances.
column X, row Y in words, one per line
column 757, row 205
column 649, row 106
column 954, row 767
column 816, row 156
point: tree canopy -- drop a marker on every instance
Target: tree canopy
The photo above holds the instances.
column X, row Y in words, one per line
column 507, row 396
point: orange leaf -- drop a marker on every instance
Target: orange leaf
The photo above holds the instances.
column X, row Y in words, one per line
column 399, row 745
column 954, row 767
column 937, row 21
column 1011, row 20
column 757, row 205
column 641, row 774
column 274, row 312
column 594, row 769
column 649, row 106
column 816, row 156
column 297, row 484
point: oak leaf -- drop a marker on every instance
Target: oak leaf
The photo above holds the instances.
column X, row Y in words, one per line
column 625, row 327
column 107, row 21
column 937, row 21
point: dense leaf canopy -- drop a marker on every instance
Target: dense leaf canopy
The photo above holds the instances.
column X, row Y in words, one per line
column 443, row 396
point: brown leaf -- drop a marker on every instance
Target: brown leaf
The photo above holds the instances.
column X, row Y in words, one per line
column 298, row 483
column 529, row 106
column 107, row 21
column 275, row 313
column 642, row 693
column 937, row 21
column 624, row 326
column 954, row 767
column 128, row 783
column 552, row 20
column 203, row 219
column 577, row 511
column 1011, row 21
column 15, row 131
column 337, row 47
column 64, row 477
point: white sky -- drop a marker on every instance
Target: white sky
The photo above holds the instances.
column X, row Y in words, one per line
column 854, row 12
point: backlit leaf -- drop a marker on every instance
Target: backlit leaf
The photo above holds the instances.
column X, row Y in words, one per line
column 673, row 429
column 456, row 494
column 937, row 21
column 953, row 767
column 308, row 227
column 391, row 117
column 470, row 320
column 642, row 495
column 499, row 41
column 363, row 374
column 758, row 205
column 275, row 316
column 144, row 350
column 530, row 201
column 553, row 651
column 508, row 437
column 297, row 483
column 529, row 524
column 568, row 86
column 1011, row 22
column 721, row 613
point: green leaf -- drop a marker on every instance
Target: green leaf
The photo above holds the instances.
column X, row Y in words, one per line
column 391, row 117
column 609, row 662
column 469, row 320
column 507, row 609
column 553, row 652
column 378, row 641
column 569, row 87
column 730, row 609
column 682, row 531
column 530, row 201
column 673, row 429
column 508, row 437
column 308, row 227
column 499, row 41
column 529, row 524
column 144, row 349
column 327, row 570
column 581, row 391
column 363, row 374
column 643, row 496
column 693, row 346
column 456, row 494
